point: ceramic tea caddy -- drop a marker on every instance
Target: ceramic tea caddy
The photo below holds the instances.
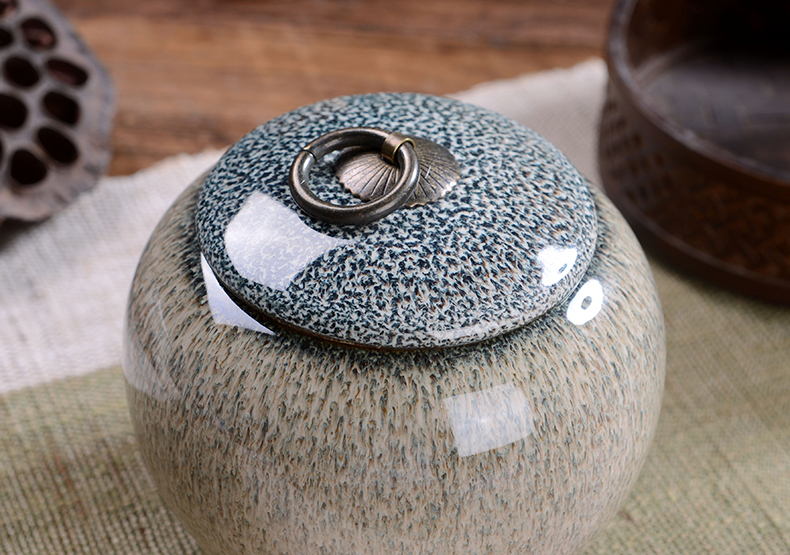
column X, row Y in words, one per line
column 469, row 361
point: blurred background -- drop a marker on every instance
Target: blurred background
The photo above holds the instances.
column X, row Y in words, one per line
column 194, row 74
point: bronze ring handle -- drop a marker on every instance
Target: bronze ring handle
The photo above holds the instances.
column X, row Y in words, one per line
column 395, row 148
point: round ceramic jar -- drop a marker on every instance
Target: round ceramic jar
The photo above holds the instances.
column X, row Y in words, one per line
column 470, row 362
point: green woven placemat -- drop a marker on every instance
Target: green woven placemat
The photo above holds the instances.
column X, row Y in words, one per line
column 717, row 479
column 71, row 477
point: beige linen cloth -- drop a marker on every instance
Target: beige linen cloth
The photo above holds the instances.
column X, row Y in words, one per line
column 717, row 479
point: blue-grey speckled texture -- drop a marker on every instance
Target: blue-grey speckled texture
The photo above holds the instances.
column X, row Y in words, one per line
column 458, row 271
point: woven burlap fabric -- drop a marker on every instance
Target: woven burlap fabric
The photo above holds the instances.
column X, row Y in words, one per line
column 717, row 479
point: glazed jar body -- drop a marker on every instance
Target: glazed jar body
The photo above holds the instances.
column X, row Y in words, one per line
column 265, row 442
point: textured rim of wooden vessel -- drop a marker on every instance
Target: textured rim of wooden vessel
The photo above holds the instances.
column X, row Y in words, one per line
column 628, row 98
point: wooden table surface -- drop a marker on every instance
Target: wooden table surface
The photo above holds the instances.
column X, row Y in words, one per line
column 194, row 74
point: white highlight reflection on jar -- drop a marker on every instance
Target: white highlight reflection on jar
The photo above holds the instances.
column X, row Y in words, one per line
column 488, row 419
column 269, row 244
column 556, row 263
column 223, row 310
column 587, row 303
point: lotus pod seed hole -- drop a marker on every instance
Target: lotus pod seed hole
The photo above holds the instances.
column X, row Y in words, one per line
column 6, row 38
column 21, row 72
column 26, row 168
column 38, row 35
column 62, row 108
column 13, row 112
column 7, row 7
column 57, row 146
column 67, row 72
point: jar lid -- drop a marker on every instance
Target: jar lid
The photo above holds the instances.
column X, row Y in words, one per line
column 507, row 234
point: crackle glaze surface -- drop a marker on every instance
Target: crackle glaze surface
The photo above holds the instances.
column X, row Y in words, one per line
column 508, row 242
column 278, row 443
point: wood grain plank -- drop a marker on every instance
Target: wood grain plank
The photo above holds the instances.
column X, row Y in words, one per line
column 200, row 74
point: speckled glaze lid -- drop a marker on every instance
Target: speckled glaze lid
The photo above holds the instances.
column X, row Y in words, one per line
column 510, row 240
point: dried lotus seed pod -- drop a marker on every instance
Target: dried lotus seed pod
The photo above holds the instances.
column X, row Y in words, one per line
column 56, row 107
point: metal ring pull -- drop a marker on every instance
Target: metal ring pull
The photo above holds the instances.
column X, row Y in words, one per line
column 394, row 146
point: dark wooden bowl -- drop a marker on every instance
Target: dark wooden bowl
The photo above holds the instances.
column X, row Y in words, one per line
column 695, row 136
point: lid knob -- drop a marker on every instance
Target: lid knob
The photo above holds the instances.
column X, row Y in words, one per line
column 394, row 148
